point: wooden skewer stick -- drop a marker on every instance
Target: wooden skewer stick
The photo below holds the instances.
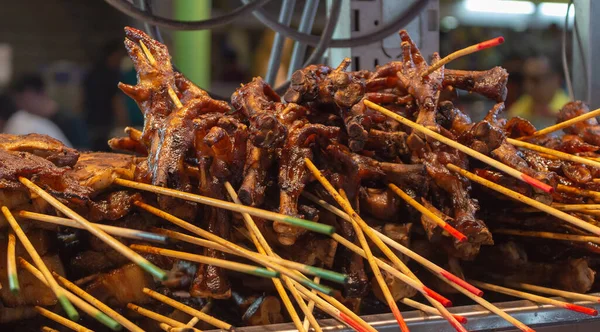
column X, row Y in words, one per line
column 154, row 316
column 430, row 215
column 58, row 292
column 263, row 247
column 535, row 298
column 112, row 230
column 549, row 235
column 11, row 264
column 430, row 295
column 81, row 304
column 552, row 291
column 363, row 242
column 564, row 124
column 188, row 310
column 465, row 51
column 559, row 154
column 310, row 306
column 48, row 329
column 529, row 201
column 102, row 235
column 97, row 303
column 447, row 276
column 205, row 309
column 575, row 207
column 442, row 273
column 61, row 320
column 253, row 256
column 168, row 328
column 307, row 269
column 229, row 265
column 310, row 225
column 578, row 191
column 430, row 310
column 477, row 155
column 492, row 308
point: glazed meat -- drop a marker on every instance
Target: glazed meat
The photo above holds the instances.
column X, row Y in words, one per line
column 42, row 146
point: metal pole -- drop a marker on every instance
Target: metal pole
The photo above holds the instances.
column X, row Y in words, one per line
column 306, row 23
column 285, row 16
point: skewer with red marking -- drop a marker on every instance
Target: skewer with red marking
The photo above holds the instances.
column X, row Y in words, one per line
column 430, row 215
column 462, row 148
column 535, row 298
column 465, row 51
column 442, row 273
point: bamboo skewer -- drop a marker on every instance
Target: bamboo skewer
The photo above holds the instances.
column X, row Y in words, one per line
column 446, row 276
column 188, row 310
column 112, row 230
column 430, row 295
column 11, row 264
column 229, row 265
column 466, row 150
column 441, row 309
column 155, row 316
column 535, row 298
column 575, row 207
column 58, row 292
column 442, row 273
column 48, row 329
column 307, row 269
column 549, row 235
column 204, row 309
column 578, row 191
column 168, row 328
column 253, row 256
column 370, row 258
column 564, row 124
column 492, row 308
column 61, row 320
column 310, row 225
column 97, row 303
column 263, row 247
column 363, row 242
column 310, row 306
column 102, row 235
column 559, row 154
column 81, row 304
column 429, row 310
column 552, row 291
column 462, row 52
column 529, row 201
column 430, row 215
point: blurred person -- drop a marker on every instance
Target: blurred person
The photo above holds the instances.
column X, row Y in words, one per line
column 104, row 106
column 34, row 109
column 543, row 96
column 7, row 109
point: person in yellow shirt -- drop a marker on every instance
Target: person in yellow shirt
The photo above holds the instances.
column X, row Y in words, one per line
column 543, row 96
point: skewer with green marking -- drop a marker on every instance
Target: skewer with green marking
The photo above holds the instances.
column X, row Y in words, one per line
column 60, row 294
column 11, row 264
column 79, row 303
column 96, row 231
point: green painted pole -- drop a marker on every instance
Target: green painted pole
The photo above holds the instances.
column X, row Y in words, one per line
column 192, row 48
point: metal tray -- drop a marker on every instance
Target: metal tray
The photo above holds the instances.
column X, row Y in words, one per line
column 545, row 318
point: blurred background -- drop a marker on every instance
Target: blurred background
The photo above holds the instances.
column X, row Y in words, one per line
column 60, row 60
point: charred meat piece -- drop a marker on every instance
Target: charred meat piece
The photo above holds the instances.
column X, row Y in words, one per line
column 97, row 170
column 121, row 286
column 42, row 146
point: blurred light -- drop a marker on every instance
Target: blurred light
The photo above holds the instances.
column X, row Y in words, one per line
column 501, row 7
column 449, row 23
column 555, row 9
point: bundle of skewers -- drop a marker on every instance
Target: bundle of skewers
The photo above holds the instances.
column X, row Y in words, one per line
column 344, row 197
